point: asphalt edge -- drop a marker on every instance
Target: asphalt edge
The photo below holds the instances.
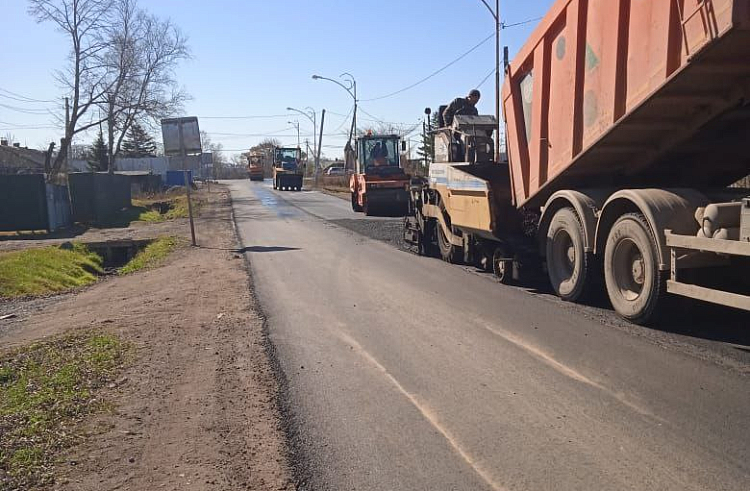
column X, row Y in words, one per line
column 290, row 424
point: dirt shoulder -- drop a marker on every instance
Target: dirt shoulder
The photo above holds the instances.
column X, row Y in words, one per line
column 197, row 408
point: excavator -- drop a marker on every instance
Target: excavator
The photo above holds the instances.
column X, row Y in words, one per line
column 379, row 186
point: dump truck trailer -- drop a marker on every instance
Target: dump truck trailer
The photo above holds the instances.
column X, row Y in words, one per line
column 626, row 123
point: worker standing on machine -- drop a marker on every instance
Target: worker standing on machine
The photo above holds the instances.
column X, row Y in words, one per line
column 463, row 105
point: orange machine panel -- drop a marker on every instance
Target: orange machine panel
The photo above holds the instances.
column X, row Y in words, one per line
column 629, row 93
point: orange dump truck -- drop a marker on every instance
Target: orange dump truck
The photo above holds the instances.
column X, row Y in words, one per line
column 625, row 124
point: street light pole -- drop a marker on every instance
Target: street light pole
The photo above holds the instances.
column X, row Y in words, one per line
column 351, row 90
column 498, row 25
column 296, row 125
column 314, row 120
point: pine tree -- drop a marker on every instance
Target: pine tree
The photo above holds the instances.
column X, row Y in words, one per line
column 138, row 143
column 427, row 148
column 97, row 155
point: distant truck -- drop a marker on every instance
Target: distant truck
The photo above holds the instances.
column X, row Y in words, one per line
column 626, row 123
column 288, row 170
column 379, row 185
column 255, row 167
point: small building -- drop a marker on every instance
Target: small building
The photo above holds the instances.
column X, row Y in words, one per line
column 15, row 159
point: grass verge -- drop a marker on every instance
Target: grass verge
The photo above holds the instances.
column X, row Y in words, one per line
column 47, row 270
column 161, row 208
column 46, row 390
column 152, row 255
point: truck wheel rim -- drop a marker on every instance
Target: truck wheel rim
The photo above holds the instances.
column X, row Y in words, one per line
column 629, row 268
column 563, row 256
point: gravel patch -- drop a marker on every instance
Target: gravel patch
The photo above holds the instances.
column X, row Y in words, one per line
column 389, row 230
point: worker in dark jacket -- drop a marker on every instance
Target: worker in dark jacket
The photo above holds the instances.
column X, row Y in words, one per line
column 463, row 105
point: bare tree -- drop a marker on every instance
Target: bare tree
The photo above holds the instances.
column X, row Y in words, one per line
column 144, row 52
column 82, row 21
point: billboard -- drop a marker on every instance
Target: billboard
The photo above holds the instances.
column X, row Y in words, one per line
column 181, row 135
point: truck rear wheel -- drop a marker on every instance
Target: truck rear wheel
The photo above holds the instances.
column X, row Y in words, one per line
column 635, row 284
column 569, row 266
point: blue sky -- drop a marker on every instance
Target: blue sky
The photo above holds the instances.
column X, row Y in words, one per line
column 255, row 58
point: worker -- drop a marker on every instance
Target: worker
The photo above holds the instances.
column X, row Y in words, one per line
column 463, row 105
column 379, row 154
column 375, row 151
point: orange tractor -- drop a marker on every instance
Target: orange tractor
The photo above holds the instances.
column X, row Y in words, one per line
column 379, row 185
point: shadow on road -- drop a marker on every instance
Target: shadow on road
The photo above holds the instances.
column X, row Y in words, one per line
column 266, row 249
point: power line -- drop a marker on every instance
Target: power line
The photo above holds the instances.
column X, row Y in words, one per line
column 485, row 78
column 503, row 25
column 436, row 72
column 268, row 116
column 37, row 112
column 22, row 98
column 16, row 126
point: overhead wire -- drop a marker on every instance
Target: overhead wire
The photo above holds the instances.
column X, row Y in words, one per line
column 436, row 72
column 267, row 116
column 503, row 26
column 485, row 78
column 21, row 98
column 36, row 112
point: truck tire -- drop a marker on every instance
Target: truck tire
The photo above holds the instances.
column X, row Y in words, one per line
column 501, row 267
column 635, row 284
column 448, row 251
column 570, row 268
column 355, row 205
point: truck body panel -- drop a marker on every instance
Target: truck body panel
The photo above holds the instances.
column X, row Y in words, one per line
column 630, row 93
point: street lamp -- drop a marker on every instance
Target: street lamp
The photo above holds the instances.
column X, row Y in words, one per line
column 351, row 89
column 314, row 120
column 295, row 123
column 496, row 15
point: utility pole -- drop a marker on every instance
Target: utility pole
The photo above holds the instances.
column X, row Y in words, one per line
column 424, row 143
column 296, row 125
column 307, row 153
column 186, row 176
column 498, row 26
column 320, row 144
column 67, row 132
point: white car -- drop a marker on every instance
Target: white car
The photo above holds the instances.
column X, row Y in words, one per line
column 335, row 171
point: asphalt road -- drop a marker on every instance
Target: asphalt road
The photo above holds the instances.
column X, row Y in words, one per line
column 404, row 372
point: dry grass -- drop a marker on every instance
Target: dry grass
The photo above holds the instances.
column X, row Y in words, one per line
column 46, row 390
column 165, row 206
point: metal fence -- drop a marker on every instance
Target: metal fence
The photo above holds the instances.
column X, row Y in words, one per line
column 27, row 202
column 98, row 196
